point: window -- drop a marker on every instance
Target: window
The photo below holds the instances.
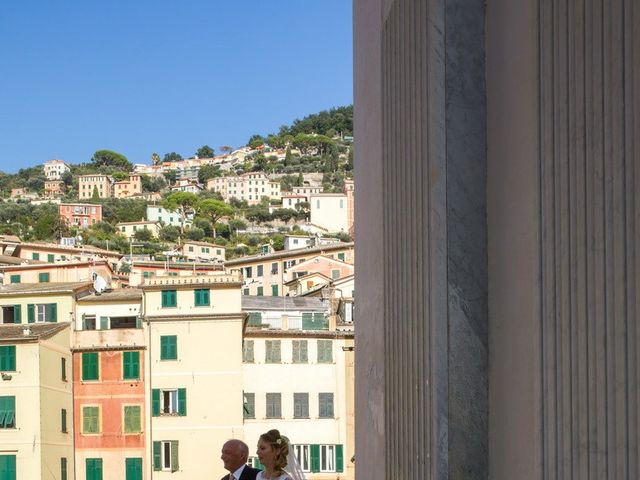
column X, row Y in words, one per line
column 12, row 314
column 341, row 256
column 335, row 274
column 247, row 351
column 302, row 454
column 63, row 369
column 42, row 312
column 8, row 467
column 247, row 272
column 130, row 365
column 63, row 420
column 300, row 351
column 314, row 321
column 274, row 268
column 300, row 405
column 63, row 468
column 260, row 291
column 325, row 403
column 190, row 248
column 255, row 319
column 90, row 366
column 260, row 270
column 274, row 290
column 94, row 468
column 132, row 419
column 169, row 402
column 147, row 274
column 8, row 358
column 35, row 256
column 133, row 468
column 325, row 351
column 50, row 258
column 90, row 420
column 169, row 298
column 123, row 322
column 8, row 412
column 201, row 297
column 272, row 351
column 165, row 456
column 15, row 278
column 88, row 322
column 249, row 408
column 43, row 277
column 169, row 347
column 274, row 409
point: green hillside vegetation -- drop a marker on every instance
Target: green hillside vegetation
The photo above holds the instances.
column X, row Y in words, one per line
column 317, row 143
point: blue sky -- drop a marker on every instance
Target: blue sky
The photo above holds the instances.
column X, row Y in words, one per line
column 144, row 76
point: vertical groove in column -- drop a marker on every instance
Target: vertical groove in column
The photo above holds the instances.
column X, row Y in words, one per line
column 589, row 214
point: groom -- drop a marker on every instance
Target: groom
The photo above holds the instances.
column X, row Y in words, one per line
column 234, row 456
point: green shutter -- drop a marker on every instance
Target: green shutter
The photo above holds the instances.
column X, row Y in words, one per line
column 94, row 468
column 132, row 419
column 43, row 277
column 35, row 256
column 339, row 459
column 90, row 366
column 201, row 297
column 63, row 420
column 175, row 465
column 168, row 347
column 157, row 456
column 8, row 467
column 315, row 458
column 52, row 312
column 274, row 290
column 63, row 468
column 31, row 313
column 50, row 258
column 8, row 358
column 182, row 402
column 307, row 321
column 17, row 314
column 155, row 403
column 15, row 278
column 130, row 365
column 90, row 420
column 104, row 323
column 133, row 468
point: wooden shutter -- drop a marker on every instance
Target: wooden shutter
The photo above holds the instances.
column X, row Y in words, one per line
column 339, row 458
column 307, row 321
column 104, row 323
column 155, row 403
column 133, row 468
column 31, row 313
column 17, row 314
column 182, row 402
column 175, row 465
column 52, row 312
column 315, row 458
column 157, row 456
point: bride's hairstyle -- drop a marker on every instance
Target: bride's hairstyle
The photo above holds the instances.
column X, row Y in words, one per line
column 280, row 446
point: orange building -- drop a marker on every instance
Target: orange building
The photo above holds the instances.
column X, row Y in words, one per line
column 128, row 188
column 81, row 214
column 53, row 187
column 109, row 406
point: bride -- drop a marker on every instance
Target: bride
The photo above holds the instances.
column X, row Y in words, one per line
column 275, row 453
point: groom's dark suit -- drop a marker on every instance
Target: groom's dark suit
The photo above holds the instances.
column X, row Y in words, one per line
column 248, row 473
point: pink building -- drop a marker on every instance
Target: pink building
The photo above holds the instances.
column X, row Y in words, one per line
column 81, row 214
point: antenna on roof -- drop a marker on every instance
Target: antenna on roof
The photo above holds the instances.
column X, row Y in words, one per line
column 100, row 284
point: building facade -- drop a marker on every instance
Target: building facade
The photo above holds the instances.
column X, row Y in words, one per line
column 55, row 169
column 129, row 229
column 81, row 215
column 157, row 213
column 201, row 251
column 128, row 188
column 102, row 185
column 54, row 188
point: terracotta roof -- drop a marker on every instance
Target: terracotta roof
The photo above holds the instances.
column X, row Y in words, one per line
column 290, row 253
column 203, row 244
column 120, row 294
column 28, row 288
column 10, row 331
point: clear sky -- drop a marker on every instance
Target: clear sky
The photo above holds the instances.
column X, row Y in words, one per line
column 144, row 76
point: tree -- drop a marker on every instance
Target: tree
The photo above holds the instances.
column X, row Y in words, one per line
column 208, row 171
column 155, row 159
column 172, row 157
column 182, row 202
column 226, row 149
column 205, row 152
column 255, row 141
column 214, row 210
column 143, row 235
column 109, row 158
column 287, row 156
column 195, row 233
column 152, row 184
column 50, row 226
column 95, row 195
column 284, row 214
column 169, row 233
column 170, row 176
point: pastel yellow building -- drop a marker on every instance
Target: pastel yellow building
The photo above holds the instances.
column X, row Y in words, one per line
column 88, row 184
column 128, row 188
column 266, row 274
column 201, row 251
column 194, row 361
column 41, row 302
column 58, row 272
column 36, row 407
column 129, row 229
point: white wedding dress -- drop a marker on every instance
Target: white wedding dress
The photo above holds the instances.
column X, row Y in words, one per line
column 284, row 476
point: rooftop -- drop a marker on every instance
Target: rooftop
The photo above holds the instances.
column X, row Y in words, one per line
column 252, row 302
column 27, row 288
column 35, row 330
column 290, row 253
column 120, row 294
column 203, row 244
